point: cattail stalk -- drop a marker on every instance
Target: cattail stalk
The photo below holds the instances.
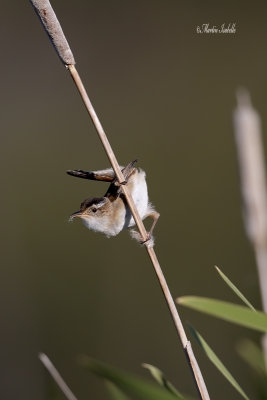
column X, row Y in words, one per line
column 249, row 144
column 47, row 16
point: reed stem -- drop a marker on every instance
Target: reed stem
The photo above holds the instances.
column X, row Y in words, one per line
column 198, row 379
column 56, row 376
column 150, row 250
column 249, row 144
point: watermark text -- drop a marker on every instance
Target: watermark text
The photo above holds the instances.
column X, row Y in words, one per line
column 208, row 28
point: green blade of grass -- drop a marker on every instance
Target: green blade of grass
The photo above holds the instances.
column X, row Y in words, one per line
column 115, row 392
column 128, row 383
column 253, row 355
column 234, row 288
column 217, row 363
column 159, row 376
column 228, row 311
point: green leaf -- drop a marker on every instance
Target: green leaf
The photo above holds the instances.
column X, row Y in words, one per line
column 115, row 392
column 161, row 379
column 217, row 362
column 228, row 311
column 128, row 383
column 253, row 355
column 234, row 288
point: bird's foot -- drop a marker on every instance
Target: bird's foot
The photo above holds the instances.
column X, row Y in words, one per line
column 149, row 242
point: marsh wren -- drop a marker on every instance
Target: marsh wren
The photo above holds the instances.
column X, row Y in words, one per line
column 110, row 214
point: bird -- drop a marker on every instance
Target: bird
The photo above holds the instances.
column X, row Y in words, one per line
column 111, row 214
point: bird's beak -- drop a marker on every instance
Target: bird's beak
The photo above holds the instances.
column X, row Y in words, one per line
column 75, row 214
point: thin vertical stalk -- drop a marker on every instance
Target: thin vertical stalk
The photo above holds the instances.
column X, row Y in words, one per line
column 253, row 186
column 43, row 8
column 165, row 289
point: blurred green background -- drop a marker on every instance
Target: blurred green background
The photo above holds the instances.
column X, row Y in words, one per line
column 165, row 95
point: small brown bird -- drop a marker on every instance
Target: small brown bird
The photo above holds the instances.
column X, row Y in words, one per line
column 110, row 214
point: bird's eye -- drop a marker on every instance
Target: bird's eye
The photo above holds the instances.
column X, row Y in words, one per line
column 94, row 209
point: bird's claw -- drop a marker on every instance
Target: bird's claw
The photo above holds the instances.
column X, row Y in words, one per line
column 149, row 241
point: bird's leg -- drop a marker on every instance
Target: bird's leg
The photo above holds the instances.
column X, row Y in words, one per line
column 115, row 187
column 155, row 215
column 127, row 172
column 149, row 240
column 114, row 190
